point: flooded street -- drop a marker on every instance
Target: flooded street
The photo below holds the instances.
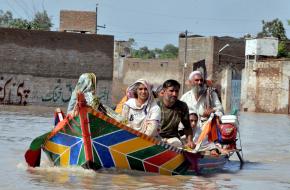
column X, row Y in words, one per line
column 265, row 143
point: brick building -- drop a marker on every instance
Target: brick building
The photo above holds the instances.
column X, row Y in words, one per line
column 78, row 21
column 221, row 59
column 42, row 67
column 266, row 86
column 265, row 79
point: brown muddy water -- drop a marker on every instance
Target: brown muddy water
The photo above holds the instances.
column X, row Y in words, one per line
column 265, row 143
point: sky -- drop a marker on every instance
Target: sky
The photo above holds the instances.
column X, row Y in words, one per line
column 155, row 23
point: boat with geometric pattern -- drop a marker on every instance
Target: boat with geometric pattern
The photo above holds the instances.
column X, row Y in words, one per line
column 93, row 140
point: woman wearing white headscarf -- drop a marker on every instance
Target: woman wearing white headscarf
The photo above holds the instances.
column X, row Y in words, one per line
column 87, row 85
column 142, row 112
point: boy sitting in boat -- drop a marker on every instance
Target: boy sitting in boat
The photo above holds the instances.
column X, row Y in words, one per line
column 141, row 111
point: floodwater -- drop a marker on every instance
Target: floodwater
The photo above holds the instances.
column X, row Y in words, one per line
column 265, row 143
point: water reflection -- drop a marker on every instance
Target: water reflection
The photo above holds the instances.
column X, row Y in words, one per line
column 266, row 148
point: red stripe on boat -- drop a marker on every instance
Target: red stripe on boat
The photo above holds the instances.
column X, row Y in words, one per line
column 85, row 127
column 162, row 158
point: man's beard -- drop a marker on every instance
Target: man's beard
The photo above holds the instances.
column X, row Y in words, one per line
column 197, row 90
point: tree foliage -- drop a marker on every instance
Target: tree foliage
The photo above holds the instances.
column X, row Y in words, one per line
column 5, row 18
column 169, row 51
column 41, row 21
column 276, row 29
column 273, row 28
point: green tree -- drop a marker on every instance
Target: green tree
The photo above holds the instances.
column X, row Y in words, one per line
column 276, row 29
column 169, row 52
column 5, row 18
column 157, row 52
column 282, row 51
column 273, row 28
column 143, row 53
column 41, row 21
column 20, row 24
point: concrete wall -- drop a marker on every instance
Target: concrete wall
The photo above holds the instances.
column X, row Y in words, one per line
column 46, row 65
column 265, row 86
column 128, row 70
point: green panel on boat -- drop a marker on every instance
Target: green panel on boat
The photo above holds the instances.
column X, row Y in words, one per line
column 135, row 164
column 148, row 152
column 82, row 157
column 99, row 127
column 73, row 129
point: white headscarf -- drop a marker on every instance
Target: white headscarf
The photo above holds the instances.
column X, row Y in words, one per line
column 87, row 85
column 133, row 87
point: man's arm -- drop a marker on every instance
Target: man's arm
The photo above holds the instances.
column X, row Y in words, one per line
column 218, row 107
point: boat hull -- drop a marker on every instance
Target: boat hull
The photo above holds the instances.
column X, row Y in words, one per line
column 93, row 140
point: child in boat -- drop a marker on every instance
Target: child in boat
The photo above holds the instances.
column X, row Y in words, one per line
column 193, row 119
column 141, row 111
column 158, row 92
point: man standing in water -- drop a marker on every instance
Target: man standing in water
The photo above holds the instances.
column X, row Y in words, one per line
column 174, row 111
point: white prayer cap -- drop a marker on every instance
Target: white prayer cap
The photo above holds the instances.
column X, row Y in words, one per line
column 193, row 73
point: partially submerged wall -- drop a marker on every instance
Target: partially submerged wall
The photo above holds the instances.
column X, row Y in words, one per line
column 43, row 67
column 265, row 86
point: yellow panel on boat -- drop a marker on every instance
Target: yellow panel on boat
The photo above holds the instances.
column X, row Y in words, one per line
column 131, row 145
column 172, row 164
column 120, row 160
column 63, row 151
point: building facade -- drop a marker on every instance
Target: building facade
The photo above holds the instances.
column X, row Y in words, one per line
column 42, row 67
column 221, row 59
column 78, row 21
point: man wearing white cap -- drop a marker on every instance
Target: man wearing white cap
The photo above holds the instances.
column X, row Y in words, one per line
column 201, row 99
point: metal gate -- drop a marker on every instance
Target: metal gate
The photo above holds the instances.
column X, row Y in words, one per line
column 236, row 95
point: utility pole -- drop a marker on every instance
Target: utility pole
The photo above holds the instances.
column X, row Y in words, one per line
column 98, row 26
column 185, row 63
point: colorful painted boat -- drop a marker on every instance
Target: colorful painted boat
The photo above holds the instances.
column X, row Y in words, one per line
column 92, row 140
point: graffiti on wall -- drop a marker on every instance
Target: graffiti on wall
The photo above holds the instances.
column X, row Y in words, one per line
column 13, row 91
column 61, row 92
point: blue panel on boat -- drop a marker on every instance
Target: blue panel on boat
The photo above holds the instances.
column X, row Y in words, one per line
column 74, row 153
column 104, row 155
column 115, row 138
column 64, row 139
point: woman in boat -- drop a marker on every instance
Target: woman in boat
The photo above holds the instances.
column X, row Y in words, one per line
column 142, row 112
column 87, row 85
